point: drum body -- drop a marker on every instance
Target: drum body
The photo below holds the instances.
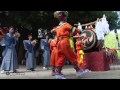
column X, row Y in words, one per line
column 91, row 43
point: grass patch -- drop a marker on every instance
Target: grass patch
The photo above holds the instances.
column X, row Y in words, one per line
column 110, row 42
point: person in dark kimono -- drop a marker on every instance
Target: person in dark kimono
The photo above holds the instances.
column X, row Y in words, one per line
column 9, row 63
column 17, row 34
column 2, row 44
column 45, row 46
column 29, row 46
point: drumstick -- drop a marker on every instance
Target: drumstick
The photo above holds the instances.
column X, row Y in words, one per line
column 87, row 24
column 91, row 23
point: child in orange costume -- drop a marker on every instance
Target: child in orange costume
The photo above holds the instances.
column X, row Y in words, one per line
column 64, row 49
column 80, row 55
column 53, row 46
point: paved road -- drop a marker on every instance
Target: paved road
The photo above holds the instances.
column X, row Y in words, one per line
column 68, row 71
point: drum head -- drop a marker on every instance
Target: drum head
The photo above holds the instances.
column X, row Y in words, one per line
column 91, row 40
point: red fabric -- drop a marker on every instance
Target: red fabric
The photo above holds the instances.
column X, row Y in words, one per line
column 65, row 30
column 79, row 47
column 64, row 51
column 97, row 61
column 55, row 27
column 53, row 52
column 53, row 58
column 83, row 66
column 53, row 44
column 89, row 28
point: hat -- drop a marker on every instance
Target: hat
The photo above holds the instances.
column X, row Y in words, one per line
column 57, row 14
column 77, row 36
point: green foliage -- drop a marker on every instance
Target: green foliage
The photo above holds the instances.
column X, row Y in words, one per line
column 110, row 42
column 89, row 16
column 44, row 19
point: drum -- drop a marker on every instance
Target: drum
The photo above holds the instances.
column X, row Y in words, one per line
column 90, row 43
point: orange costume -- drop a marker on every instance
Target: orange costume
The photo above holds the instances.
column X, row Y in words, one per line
column 53, row 46
column 80, row 55
column 64, row 49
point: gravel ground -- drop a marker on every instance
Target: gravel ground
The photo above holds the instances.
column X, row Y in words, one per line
column 70, row 73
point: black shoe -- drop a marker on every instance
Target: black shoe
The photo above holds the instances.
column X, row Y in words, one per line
column 32, row 69
column 15, row 71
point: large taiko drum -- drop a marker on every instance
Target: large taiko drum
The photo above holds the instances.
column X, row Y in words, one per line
column 91, row 43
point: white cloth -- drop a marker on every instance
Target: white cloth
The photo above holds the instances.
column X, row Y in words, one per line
column 99, row 31
column 102, row 28
column 105, row 26
column 79, row 27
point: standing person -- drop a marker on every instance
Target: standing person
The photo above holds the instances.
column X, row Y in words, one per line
column 64, row 48
column 80, row 55
column 46, row 52
column 2, row 39
column 53, row 48
column 2, row 44
column 17, row 35
column 10, row 62
column 29, row 46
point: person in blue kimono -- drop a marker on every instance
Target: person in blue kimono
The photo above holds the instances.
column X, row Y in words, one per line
column 45, row 46
column 9, row 62
column 29, row 46
column 17, row 41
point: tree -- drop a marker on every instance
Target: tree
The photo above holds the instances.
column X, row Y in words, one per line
column 32, row 20
column 89, row 16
